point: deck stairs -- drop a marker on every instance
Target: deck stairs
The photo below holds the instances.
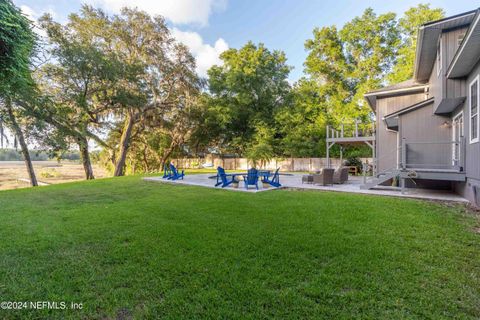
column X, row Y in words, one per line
column 380, row 178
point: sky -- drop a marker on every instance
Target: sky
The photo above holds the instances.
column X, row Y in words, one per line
column 209, row 27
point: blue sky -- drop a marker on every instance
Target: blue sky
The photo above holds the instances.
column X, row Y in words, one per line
column 210, row 26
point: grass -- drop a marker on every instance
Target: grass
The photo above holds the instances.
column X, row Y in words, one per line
column 127, row 248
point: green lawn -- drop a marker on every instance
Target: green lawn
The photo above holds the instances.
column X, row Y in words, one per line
column 126, row 248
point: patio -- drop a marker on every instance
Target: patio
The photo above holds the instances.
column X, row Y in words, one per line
column 295, row 181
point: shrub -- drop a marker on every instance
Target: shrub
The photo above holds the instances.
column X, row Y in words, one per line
column 355, row 162
column 49, row 173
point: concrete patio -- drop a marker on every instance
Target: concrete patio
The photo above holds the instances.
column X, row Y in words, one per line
column 294, row 180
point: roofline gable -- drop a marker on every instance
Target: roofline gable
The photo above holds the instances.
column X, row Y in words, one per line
column 427, row 40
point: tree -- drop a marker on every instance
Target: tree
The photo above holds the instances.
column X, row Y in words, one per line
column 78, row 82
column 248, row 89
column 347, row 63
column 17, row 42
column 408, row 24
column 301, row 127
column 163, row 79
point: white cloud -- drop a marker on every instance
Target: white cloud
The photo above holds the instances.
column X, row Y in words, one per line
column 29, row 12
column 205, row 54
column 177, row 11
column 33, row 16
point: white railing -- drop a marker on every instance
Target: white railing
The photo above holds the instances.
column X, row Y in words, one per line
column 351, row 130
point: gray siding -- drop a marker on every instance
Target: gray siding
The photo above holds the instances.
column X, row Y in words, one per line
column 422, row 125
column 453, row 88
column 440, row 86
column 386, row 139
column 472, row 159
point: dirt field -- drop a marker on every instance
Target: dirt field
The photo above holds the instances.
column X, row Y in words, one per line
column 13, row 174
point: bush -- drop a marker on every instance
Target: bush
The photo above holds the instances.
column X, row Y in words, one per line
column 49, row 173
column 355, row 162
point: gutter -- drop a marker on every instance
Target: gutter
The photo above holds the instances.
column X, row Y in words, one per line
column 393, row 91
column 421, row 32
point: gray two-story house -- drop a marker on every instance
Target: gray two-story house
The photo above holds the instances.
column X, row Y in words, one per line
column 428, row 128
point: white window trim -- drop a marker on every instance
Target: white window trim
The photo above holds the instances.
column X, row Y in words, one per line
column 462, row 130
column 477, row 79
column 440, row 57
column 463, row 124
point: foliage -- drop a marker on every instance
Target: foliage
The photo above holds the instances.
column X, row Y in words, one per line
column 208, row 253
column 301, row 126
column 37, row 155
column 354, row 162
column 347, row 63
column 49, row 173
column 248, row 89
column 17, row 42
column 261, row 148
column 408, row 26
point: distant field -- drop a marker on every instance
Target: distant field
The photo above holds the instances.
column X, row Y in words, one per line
column 13, row 174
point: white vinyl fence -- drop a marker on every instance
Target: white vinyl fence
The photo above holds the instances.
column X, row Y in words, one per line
column 285, row 164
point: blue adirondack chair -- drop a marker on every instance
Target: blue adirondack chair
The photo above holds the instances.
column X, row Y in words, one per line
column 251, row 178
column 166, row 172
column 274, row 181
column 175, row 174
column 223, row 178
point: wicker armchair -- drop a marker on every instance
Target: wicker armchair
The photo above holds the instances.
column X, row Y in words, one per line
column 325, row 177
column 340, row 175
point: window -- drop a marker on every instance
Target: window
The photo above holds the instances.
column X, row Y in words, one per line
column 439, row 56
column 473, row 107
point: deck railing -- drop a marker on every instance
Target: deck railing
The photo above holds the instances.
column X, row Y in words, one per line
column 356, row 129
column 446, row 155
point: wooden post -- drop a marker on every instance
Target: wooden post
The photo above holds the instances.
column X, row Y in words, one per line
column 328, row 155
column 341, row 155
column 404, row 154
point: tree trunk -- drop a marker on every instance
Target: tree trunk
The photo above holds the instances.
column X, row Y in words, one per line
column 23, row 145
column 167, row 154
column 87, row 164
column 145, row 160
column 124, row 144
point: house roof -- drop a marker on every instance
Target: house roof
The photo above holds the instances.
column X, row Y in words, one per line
column 468, row 54
column 410, row 108
column 400, row 88
column 427, row 41
column 391, row 119
column 448, row 105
